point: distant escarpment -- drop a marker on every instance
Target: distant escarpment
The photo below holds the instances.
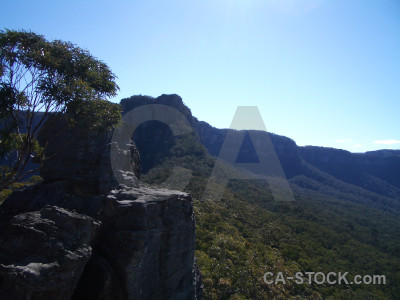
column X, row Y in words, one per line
column 376, row 171
column 83, row 234
column 210, row 137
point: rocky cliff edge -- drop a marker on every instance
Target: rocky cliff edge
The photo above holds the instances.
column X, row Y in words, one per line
column 80, row 234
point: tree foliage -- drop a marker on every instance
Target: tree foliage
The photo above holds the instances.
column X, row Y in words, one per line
column 39, row 78
column 247, row 233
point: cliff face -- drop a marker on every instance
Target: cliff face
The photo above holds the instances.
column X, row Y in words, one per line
column 374, row 171
column 285, row 148
column 212, row 138
column 82, row 235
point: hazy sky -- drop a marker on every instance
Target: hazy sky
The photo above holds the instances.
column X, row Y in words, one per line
column 324, row 73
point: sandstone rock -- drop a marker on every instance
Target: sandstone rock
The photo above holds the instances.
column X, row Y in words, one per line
column 83, row 234
column 147, row 242
column 43, row 253
column 83, row 158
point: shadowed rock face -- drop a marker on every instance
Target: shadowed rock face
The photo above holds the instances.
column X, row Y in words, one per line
column 149, row 238
column 83, row 158
column 83, row 235
column 43, row 251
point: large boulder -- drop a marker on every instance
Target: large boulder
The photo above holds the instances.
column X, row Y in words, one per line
column 43, row 253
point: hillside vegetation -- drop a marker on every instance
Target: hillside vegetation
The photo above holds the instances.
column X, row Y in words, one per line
column 333, row 226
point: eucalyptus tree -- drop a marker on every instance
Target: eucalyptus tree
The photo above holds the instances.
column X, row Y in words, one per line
column 41, row 78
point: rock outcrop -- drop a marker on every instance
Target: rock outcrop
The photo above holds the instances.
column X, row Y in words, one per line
column 83, row 234
column 43, row 252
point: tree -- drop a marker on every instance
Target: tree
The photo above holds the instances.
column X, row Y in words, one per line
column 38, row 79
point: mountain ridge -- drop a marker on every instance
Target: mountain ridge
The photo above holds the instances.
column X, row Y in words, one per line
column 376, row 171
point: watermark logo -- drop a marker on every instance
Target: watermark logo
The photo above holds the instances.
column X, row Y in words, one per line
column 269, row 165
column 322, row 278
column 267, row 168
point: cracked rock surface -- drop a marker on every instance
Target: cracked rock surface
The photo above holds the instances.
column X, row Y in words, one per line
column 80, row 234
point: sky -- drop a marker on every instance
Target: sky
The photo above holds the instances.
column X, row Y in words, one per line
column 322, row 72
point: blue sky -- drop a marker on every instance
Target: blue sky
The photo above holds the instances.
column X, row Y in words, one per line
column 324, row 73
